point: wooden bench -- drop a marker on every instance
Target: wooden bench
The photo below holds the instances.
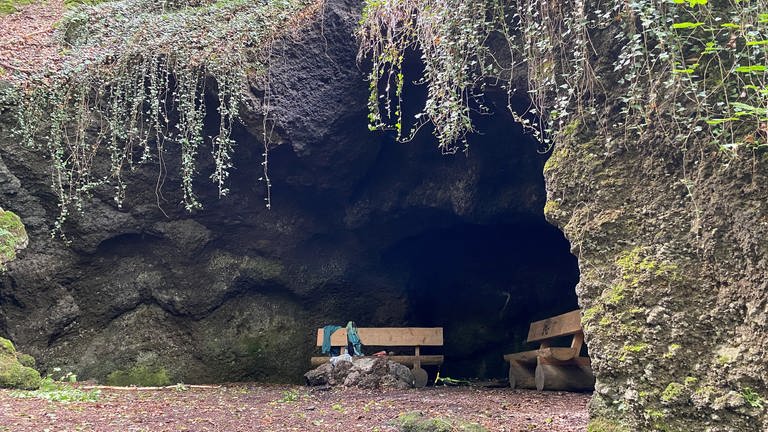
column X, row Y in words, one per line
column 552, row 368
column 415, row 337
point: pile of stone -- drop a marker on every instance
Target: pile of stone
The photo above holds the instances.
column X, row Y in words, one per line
column 362, row 372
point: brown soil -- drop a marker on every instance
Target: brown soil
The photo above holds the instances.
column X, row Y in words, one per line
column 27, row 40
column 271, row 408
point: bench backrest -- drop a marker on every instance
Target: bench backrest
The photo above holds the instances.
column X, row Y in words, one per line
column 388, row 336
column 561, row 325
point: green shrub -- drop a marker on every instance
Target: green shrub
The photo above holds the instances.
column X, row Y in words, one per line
column 60, row 390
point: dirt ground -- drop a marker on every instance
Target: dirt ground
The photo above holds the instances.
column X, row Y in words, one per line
column 27, row 40
column 293, row 408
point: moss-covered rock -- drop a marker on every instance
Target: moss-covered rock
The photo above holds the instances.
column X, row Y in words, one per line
column 13, row 236
column 26, row 360
column 14, row 374
column 140, row 375
column 6, row 347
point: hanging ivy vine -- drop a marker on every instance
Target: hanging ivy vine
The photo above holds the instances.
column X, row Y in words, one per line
column 687, row 71
column 134, row 80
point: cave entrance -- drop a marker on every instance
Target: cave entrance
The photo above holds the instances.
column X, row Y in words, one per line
column 484, row 284
column 486, row 275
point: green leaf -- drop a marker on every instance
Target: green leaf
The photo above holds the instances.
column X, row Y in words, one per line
column 758, row 42
column 691, row 3
column 713, row 122
column 711, row 47
column 750, row 69
column 687, row 25
column 743, row 109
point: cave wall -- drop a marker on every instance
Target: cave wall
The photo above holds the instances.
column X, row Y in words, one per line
column 672, row 254
column 669, row 230
column 235, row 291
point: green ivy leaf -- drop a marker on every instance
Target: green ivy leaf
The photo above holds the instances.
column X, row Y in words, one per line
column 687, row 25
column 717, row 121
column 691, row 3
column 750, row 69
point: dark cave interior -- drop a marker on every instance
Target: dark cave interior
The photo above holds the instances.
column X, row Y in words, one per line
column 484, row 284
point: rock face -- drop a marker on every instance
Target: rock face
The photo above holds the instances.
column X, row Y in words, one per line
column 362, row 372
column 360, row 229
column 672, row 254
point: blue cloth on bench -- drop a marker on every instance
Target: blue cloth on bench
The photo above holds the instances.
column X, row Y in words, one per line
column 353, row 339
column 327, row 332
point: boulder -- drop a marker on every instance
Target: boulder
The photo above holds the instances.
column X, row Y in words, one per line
column 362, row 372
column 13, row 374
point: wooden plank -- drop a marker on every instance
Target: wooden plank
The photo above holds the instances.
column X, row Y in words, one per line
column 525, row 356
column 560, row 325
column 556, row 353
column 406, row 360
column 388, row 336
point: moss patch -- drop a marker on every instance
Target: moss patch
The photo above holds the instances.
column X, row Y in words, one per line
column 75, row 3
column 551, row 207
column 13, row 237
column 605, row 425
column 634, row 265
column 417, row 422
column 672, row 392
column 635, row 348
column 25, row 360
column 140, row 376
column 6, row 347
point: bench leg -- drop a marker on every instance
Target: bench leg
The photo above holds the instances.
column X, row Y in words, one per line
column 521, row 375
column 420, row 377
column 563, row 376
